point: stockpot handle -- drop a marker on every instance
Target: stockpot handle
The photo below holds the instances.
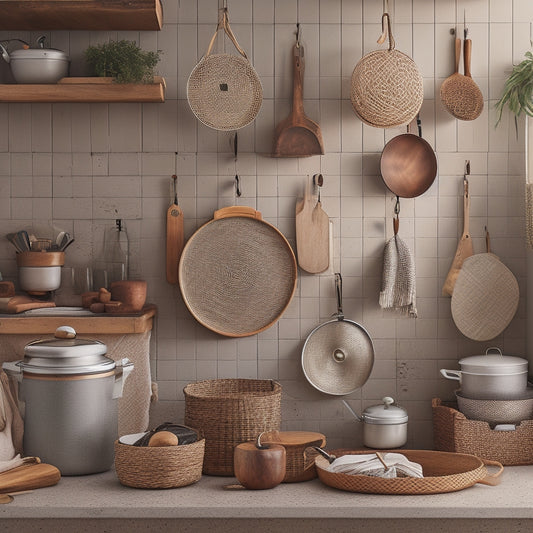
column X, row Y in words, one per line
column 13, row 368
column 451, row 374
column 122, row 371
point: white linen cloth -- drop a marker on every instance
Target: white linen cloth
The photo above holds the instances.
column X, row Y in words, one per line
column 370, row 465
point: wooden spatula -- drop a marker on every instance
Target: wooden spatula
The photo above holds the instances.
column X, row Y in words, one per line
column 174, row 236
column 464, row 248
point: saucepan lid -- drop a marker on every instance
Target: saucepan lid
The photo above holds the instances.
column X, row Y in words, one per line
column 338, row 356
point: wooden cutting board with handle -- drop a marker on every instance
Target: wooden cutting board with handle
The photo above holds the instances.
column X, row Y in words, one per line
column 29, row 477
column 20, row 303
column 464, row 248
column 174, row 236
column 312, row 233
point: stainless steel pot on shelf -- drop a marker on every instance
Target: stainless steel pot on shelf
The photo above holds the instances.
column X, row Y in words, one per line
column 70, row 390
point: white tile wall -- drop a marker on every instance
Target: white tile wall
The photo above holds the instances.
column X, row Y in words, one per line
column 81, row 166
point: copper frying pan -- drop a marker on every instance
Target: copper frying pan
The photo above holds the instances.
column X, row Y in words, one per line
column 408, row 164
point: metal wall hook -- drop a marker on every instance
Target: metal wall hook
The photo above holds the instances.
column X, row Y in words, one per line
column 467, row 170
column 318, row 181
column 238, row 191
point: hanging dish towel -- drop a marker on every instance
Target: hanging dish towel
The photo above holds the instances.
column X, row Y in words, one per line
column 11, row 426
column 398, row 287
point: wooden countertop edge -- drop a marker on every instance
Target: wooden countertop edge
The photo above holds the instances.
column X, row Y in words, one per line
column 101, row 324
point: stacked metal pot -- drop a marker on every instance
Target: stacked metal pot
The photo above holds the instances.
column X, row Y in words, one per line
column 494, row 388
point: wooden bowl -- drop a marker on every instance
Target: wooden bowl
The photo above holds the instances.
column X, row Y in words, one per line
column 132, row 293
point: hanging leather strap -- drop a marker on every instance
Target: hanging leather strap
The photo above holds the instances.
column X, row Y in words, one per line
column 386, row 31
column 223, row 23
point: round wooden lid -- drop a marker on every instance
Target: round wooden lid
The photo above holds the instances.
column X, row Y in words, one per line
column 293, row 438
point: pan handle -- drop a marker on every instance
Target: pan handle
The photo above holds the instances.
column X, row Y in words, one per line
column 237, row 211
column 338, row 291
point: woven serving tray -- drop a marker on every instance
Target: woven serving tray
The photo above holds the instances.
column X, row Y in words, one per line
column 443, row 472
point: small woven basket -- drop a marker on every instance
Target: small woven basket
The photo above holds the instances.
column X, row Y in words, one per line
column 453, row 432
column 159, row 467
column 229, row 412
column 387, row 88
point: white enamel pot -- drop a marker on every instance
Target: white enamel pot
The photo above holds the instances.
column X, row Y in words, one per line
column 492, row 376
column 70, row 390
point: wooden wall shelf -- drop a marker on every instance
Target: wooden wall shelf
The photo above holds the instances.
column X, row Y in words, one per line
column 94, row 89
column 97, row 324
column 35, row 15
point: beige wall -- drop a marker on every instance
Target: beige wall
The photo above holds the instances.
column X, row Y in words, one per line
column 84, row 165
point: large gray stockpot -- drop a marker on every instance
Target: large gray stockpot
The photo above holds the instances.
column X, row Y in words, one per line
column 492, row 376
column 70, row 390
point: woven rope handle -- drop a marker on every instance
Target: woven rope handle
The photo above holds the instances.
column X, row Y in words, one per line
column 492, row 479
column 386, row 30
column 223, row 23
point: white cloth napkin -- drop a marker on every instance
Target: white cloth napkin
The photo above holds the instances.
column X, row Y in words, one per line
column 370, row 465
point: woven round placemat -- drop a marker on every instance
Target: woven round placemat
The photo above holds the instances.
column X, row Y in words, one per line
column 485, row 297
column 387, row 87
column 159, row 467
column 224, row 92
column 237, row 275
column 443, row 472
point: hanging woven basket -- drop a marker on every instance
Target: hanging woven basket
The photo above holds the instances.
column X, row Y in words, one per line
column 387, row 88
column 224, row 90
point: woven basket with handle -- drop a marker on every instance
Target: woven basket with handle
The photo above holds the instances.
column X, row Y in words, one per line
column 224, row 90
column 443, row 472
column 387, row 87
column 229, row 412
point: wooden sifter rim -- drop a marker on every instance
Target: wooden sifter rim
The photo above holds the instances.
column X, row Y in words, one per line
column 237, row 273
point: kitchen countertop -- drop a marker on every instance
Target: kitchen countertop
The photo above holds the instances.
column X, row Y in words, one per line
column 99, row 503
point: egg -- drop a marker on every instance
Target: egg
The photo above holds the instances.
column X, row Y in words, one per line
column 163, row 438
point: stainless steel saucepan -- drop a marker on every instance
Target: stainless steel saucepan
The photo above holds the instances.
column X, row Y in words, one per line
column 338, row 356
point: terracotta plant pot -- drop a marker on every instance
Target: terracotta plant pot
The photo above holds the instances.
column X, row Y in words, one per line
column 132, row 294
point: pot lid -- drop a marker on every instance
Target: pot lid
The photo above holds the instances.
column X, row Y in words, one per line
column 493, row 363
column 385, row 413
column 38, row 53
column 66, row 354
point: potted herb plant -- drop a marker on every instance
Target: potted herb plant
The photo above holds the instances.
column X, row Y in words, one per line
column 518, row 97
column 518, row 89
column 122, row 60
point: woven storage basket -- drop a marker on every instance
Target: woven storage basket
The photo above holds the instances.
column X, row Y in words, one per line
column 161, row 467
column 453, row 432
column 229, row 412
column 300, row 463
column 443, row 472
column 387, row 87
